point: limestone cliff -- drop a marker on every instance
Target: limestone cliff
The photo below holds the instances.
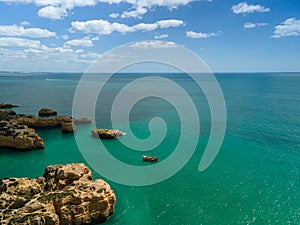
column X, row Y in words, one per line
column 66, row 194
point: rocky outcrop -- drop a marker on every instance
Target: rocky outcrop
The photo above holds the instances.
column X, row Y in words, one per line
column 47, row 112
column 6, row 113
column 17, row 136
column 16, row 132
column 6, row 105
column 68, row 127
column 64, row 122
column 106, row 134
column 66, row 194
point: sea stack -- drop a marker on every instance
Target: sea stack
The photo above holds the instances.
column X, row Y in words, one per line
column 47, row 112
column 65, row 194
column 106, row 134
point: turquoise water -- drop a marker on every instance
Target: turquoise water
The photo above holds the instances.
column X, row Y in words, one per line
column 255, row 178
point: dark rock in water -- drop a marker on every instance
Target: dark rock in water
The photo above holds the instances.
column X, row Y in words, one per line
column 20, row 137
column 6, row 105
column 47, row 112
column 66, row 194
column 106, row 134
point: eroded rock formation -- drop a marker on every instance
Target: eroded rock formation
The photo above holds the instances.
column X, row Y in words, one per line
column 6, row 113
column 14, row 136
column 17, row 136
column 66, row 194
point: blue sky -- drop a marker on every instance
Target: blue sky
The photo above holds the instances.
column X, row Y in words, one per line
column 230, row 36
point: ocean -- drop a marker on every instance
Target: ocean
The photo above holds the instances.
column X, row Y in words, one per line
column 255, row 178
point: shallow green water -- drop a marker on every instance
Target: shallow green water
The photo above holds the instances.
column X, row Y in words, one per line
column 255, row 179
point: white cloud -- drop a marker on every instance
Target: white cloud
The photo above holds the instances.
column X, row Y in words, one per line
column 137, row 13
column 85, row 42
column 153, row 44
column 169, row 23
column 145, row 26
column 14, row 30
column 53, row 12
column 99, row 27
column 244, row 8
column 290, row 27
column 114, row 15
column 95, row 38
column 45, row 58
column 58, row 9
column 19, row 42
column 141, row 7
column 79, row 42
column 192, row 34
column 161, row 36
column 25, row 23
column 249, row 25
column 172, row 4
column 104, row 27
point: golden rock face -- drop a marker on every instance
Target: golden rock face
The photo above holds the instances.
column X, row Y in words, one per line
column 18, row 136
column 106, row 134
column 65, row 194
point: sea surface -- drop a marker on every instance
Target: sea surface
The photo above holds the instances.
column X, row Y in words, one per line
column 255, row 179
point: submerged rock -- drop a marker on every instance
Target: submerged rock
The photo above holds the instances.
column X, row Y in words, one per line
column 6, row 105
column 106, row 134
column 66, row 194
column 17, row 136
column 47, row 112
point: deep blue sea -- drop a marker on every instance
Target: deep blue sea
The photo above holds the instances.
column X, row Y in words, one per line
column 255, row 179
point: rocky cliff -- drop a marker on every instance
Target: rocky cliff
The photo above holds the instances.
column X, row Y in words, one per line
column 65, row 194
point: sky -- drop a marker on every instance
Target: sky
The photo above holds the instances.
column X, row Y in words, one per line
column 229, row 35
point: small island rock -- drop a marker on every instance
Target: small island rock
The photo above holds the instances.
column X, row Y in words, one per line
column 6, row 105
column 106, row 134
column 66, row 194
column 47, row 112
